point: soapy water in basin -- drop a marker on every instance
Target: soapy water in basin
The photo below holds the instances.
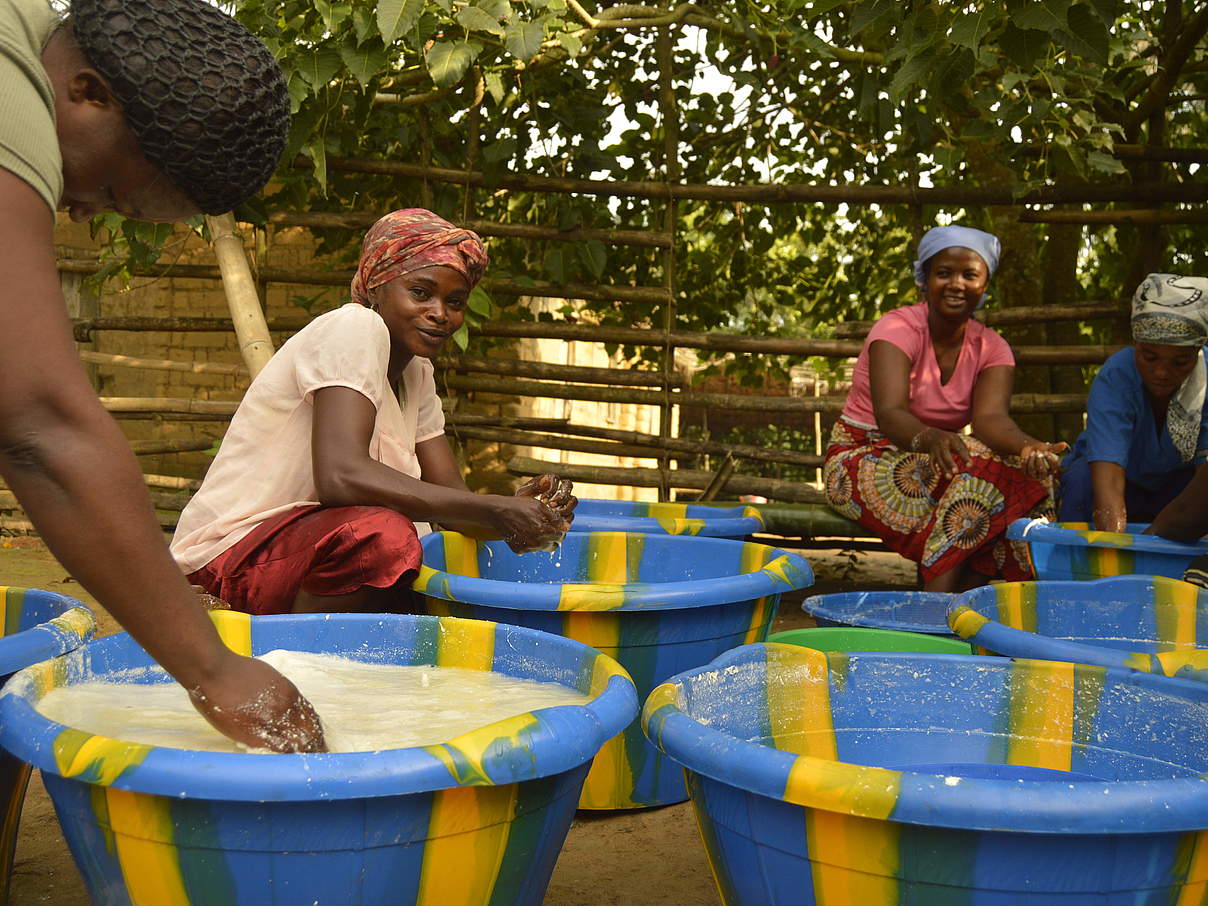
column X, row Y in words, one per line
column 364, row 707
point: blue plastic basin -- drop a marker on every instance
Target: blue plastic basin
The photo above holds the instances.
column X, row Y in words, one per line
column 929, row 778
column 659, row 604
column 1150, row 623
column 478, row 819
column 904, row 611
column 666, row 518
column 1072, row 550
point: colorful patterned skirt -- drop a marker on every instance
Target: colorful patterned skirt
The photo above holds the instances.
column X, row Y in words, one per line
column 940, row 523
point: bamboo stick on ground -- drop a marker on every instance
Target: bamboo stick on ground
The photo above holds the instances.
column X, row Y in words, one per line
column 772, row 488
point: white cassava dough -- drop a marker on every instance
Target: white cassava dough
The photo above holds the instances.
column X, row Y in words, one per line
column 364, row 707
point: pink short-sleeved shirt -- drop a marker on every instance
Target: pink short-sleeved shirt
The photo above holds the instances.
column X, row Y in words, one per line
column 263, row 467
column 946, row 406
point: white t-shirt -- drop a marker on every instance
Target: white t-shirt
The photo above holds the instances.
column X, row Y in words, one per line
column 263, row 467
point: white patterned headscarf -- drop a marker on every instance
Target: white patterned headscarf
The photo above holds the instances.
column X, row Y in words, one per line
column 1173, row 311
column 937, row 239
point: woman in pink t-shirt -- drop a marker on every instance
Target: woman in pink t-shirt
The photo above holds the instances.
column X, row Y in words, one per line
column 898, row 463
column 339, row 444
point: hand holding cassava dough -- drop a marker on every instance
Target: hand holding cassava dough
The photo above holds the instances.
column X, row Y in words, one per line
column 93, row 122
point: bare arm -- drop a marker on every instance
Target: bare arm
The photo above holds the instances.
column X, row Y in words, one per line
column 1186, row 517
column 993, row 425
column 889, row 385
column 346, row 475
column 1107, row 488
column 75, row 476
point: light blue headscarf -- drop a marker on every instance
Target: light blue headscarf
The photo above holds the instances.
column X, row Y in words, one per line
column 937, row 239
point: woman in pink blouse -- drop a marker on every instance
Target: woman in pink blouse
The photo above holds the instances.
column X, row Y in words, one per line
column 338, row 447
column 898, row 462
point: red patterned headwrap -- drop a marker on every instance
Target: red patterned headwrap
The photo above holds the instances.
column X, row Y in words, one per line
column 411, row 239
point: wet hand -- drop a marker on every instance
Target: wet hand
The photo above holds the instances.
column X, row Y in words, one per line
column 209, row 601
column 1040, row 460
column 528, row 524
column 255, row 705
column 554, row 492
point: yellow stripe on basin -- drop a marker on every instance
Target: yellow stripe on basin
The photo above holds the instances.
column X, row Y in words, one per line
column 235, row 630
column 799, row 712
column 1041, row 716
column 1017, row 605
column 1174, row 605
column 469, row 644
column 142, row 829
column 101, row 758
column 467, row 838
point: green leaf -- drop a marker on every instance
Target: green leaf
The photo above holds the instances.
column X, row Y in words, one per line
column 298, row 91
column 969, row 29
column 365, row 61
column 909, row 75
column 479, row 302
column 1043, row 15
column 495, row 86
column 449, row 60
column 397, row 17
column 364, row 23
column 499, row 10
column 1022, row 47
column 319, row 67
column 523, row 39
column 1087, row 35
column 555, row 265
column 471, row 18
column 316, row 150
column 814, row 43
column 593, row 255
column 461, row 337
column 1105, row 163
column 570, row 43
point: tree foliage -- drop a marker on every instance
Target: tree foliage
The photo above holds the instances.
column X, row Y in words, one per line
column 900, row 92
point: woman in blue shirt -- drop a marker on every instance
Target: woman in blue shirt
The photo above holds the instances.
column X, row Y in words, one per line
column 1146, row 425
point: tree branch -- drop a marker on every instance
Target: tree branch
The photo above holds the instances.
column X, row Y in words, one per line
column 1169, row 69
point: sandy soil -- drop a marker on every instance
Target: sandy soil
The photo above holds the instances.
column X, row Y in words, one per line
column 653, row 856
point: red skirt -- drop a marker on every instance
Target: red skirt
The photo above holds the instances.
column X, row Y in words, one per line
column 940, row 523
column 321, row 550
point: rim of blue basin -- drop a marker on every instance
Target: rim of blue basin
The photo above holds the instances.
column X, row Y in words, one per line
column 917, row 797
column 838, row 607
column 41, row 624
column 969, row 619
column 783, row 571
column 534, row 744
column 1079, row 534
column 593, row 515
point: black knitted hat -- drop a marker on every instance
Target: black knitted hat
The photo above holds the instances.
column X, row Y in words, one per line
column 203, row 96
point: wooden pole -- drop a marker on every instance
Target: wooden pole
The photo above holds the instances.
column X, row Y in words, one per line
column 251, row 330
column 689, row 479
column 790, row 193
column 126, row 361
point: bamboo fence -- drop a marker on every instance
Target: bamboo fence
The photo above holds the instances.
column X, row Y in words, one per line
column 660, row 387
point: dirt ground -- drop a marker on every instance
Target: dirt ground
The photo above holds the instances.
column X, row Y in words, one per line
column 652, row 857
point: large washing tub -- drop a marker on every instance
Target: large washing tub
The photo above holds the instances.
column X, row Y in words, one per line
column 659, row 604
column 1148, row 623
column 37, row 625
column 1072, row 550
column 879, row 779
column 667, row 518
column 476, row 820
